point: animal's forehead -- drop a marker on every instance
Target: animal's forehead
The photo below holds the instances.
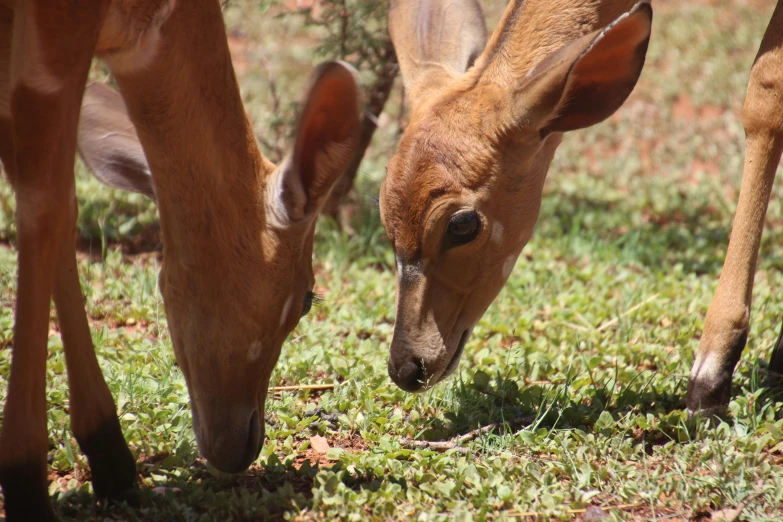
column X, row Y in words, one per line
column 407, row 203
column 436, row 159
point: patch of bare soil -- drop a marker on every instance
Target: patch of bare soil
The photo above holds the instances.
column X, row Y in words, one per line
column 316, row 456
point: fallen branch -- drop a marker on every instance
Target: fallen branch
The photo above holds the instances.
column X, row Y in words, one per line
column 573, row 326
column 542, row 382
column 304, row 387
column 619, row 507
column 631, row 310
column 455, row 443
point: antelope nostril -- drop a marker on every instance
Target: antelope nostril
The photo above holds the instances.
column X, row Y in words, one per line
column 410, row 376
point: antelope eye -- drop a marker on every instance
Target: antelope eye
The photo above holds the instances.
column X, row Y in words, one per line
column 463, row 227
column 308, row 302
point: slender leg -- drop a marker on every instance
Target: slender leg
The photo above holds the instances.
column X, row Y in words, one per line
column 728, row 319
column 93, row 413
column 48, row 72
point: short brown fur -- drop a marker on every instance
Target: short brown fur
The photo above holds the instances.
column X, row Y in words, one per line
column 237, row 231
column 496, row 126
column 482, row 139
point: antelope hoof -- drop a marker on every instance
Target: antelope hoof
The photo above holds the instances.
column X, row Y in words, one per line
column 26, row 492
column 709, row 385
column 708, row 397
column 111, row 463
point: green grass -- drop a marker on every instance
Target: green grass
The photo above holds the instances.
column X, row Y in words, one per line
column 592, row 338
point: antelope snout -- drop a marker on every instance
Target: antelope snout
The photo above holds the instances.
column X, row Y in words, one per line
column 230, row 439
column 414, row 367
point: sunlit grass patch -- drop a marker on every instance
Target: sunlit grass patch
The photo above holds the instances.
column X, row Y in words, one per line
column 579, row 368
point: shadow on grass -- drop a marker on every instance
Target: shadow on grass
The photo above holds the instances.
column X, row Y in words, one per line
column 193, row 493
column 144, row 240
column 598, row 409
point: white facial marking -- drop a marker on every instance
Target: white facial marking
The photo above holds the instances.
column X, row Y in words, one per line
column 497, row 232
column 286, row 309
column 254, row 352
column 508, row 266
column 143, row 45
column 29, row 67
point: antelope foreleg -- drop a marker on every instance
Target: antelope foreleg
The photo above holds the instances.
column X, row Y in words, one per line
column 94, row 419
column 728, row 319
column 52, row 45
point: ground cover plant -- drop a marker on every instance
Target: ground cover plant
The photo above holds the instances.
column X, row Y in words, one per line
column 578, row 369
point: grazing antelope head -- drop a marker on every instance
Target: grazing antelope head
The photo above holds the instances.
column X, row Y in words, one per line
column 237, row 267
column 237, row 232
column 463, row 192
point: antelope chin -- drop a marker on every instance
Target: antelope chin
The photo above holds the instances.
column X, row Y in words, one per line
column 454, row 362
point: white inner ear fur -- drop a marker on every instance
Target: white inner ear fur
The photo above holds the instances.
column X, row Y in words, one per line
column 285, row 196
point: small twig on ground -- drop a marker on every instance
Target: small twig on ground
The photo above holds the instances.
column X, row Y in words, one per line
column 455, row 443
column 613, row 322
column 583, row 319
column 573, row 326
column 619, row 507
column 304, row 387
column 541, row 382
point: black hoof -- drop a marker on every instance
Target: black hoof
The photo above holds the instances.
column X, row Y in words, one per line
column 709, row 386
column 111, row 463
column 26, row 491
column 709, row 397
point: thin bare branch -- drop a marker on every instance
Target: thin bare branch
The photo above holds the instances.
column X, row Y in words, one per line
column 300, row 387
column 455, row 443
column 619, row 507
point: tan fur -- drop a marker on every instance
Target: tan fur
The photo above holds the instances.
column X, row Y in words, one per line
column 483, row 140
column 478, row 141
column 728, row 319
column 228, row 271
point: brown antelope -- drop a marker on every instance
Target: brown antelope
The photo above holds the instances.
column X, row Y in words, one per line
column 237, row 231
column 463, row 192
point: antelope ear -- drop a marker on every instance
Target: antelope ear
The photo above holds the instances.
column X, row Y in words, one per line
column 588, row 80
column 326, row 141
column 435, row 41
column 108, row 143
